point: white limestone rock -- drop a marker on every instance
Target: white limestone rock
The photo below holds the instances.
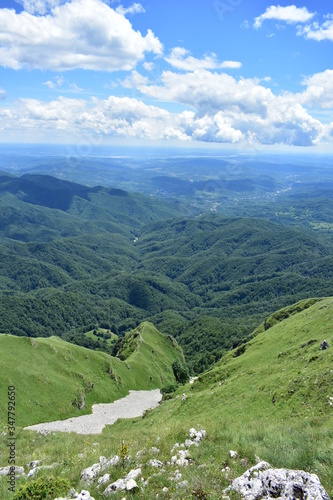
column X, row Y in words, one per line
column 91, row 473
column 134, row 474
column 103, row 480
column 263, row 482
column 131, row 485
column 19, row 471
column 127, row 483
column 74, row 495
column 155, row 463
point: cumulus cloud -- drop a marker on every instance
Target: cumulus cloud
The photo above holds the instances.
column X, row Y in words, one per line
column 318, row 32
column 148, row 65
column 319, row 90
column 180, row 58
column 113, row 117
column 136, row 8
column 290, row 14
column 39, row 6
column 135, row 80
column 213, row 107
column 220, row 108
column 86, row 34
column 3, row 93
column 210, row 91
column 231, row 110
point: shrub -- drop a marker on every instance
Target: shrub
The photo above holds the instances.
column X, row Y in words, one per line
column 168, row 390
column 180, row 372
column 43, row 488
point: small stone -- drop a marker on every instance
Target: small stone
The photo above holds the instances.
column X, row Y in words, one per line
column 324, row 345
column 155, row 463
column 233, row 454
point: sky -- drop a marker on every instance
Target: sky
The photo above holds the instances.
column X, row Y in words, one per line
column 215, row 73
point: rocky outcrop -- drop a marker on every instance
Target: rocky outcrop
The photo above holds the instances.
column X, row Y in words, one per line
column 180, row 458
column 128, row 483
column 263, row 482
column 35, row 467
column 91, row 473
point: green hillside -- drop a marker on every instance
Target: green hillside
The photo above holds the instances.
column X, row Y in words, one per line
column 270, row 398
column 54, row 377
column 75, row 258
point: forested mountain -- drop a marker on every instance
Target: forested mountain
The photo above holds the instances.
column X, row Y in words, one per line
column 75, row 257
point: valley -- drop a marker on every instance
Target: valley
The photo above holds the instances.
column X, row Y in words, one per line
column 105, row 290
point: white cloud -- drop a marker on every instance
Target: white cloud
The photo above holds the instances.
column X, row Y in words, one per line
column 180, row 58
column 3, row 93
column 85, row 34
column 135, row 80
column 56, row 82
column 226, row 109
column 75, row 87
column 136, row 8
column 49, row 84
column 112, row 117
column 319, row 91
column 39, row 6
column 318, row 32
column 148, row 65
column 210, row 92
column 231, row 64
column 290, row 14
column 219, row 108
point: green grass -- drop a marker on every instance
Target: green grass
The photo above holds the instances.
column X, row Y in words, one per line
column 49, row 374
column 270, row 401
column 109, row 336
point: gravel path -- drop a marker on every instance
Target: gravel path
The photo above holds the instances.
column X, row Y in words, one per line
column 131, row 406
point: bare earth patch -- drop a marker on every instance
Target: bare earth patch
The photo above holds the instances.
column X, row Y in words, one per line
column 133, row 405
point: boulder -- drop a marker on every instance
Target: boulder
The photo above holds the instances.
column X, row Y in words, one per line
column 263, row 482
column 36, row 468
column 131, row 485
column 127, row 483
column 103, row 480
column 4, row 471
column 90, row 474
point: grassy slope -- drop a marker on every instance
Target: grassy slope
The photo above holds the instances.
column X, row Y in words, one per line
column 49, row 373
column 234, row 402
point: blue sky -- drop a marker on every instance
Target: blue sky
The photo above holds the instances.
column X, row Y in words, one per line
column 217, row 73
